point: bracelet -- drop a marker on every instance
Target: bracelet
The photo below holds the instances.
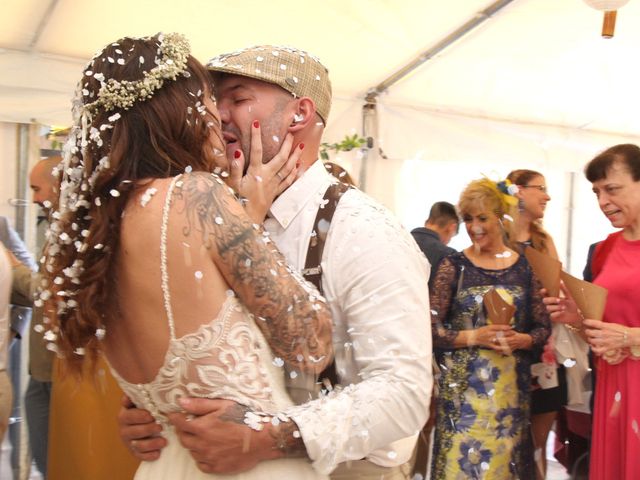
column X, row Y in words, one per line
column 572, row 328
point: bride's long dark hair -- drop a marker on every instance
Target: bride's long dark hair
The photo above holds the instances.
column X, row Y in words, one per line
column 156, row 137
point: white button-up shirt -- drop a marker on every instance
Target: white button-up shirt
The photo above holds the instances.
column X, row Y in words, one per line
column 375, row 282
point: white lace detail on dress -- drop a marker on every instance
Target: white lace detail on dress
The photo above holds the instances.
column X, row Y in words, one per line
column 226, row 358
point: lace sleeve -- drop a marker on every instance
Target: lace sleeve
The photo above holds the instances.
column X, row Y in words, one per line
column 440, row 296
column 539, row 320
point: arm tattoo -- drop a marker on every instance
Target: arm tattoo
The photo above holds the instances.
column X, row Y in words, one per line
column 288, row 440
column 235, row 414
column 294, row 320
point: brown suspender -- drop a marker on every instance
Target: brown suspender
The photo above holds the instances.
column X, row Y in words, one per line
column 312, row 269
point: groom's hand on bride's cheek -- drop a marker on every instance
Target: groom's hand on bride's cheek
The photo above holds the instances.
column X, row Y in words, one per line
column 215, row 433
column 139, row 432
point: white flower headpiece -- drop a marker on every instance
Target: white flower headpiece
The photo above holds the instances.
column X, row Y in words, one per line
column 173, row 53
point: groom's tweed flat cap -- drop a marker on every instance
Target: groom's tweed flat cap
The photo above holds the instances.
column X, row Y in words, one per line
column 296, row 71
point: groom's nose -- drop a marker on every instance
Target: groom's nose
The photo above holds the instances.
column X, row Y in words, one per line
column 225, row 115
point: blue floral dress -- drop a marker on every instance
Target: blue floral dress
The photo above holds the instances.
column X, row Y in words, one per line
column 482, row 409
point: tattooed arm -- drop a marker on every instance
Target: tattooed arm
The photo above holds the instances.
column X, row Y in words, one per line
column 217, row 437
column 294, row 319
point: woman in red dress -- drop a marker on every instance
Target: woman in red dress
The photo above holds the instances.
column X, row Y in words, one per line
column 615, row 446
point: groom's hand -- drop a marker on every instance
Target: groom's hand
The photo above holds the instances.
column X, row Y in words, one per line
column 215, row 433
column 139, row 432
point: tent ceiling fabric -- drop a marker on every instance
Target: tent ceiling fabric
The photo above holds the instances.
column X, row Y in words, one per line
column 541, row 61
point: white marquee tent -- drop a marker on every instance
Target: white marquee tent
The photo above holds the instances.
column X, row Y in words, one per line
column 532, row 86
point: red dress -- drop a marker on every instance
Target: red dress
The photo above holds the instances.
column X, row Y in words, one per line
column 615, row 446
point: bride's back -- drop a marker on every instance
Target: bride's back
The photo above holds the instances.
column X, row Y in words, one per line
column 137, row 341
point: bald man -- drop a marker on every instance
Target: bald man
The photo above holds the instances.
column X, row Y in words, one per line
column 44, row 187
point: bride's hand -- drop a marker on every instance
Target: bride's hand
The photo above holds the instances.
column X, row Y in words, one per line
column 263, row 182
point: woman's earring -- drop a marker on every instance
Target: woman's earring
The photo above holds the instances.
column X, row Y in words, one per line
column 520, row 205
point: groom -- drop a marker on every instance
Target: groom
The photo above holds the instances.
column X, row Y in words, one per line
column 373, row 277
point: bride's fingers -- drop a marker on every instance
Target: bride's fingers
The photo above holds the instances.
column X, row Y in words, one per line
column 274, row 165
column 255, row 156
column 236, row 170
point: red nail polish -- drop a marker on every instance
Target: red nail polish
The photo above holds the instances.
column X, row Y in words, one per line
column 236, row 154
column 256, row 124
column 301, row 146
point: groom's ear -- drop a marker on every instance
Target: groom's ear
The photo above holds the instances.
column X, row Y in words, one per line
column 304, row 115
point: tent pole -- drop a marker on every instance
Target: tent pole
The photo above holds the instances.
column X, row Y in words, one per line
column 43, row 24
column 22, row 172
column 447, row 41
column 370, row 134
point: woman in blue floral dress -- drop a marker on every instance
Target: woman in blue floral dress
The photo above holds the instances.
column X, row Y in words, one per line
column 482, row 409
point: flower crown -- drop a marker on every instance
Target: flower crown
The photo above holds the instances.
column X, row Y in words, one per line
column 173, row 53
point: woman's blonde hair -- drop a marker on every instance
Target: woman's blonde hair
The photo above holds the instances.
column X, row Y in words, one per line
column 487, row 194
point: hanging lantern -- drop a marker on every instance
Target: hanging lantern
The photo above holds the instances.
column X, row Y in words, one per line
column 609, row 7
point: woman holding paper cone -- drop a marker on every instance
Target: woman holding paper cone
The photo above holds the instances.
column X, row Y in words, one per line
column 615, row 445
column 482, row 412
column 549, row 385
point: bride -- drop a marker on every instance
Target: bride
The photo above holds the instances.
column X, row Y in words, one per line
column 153, row 261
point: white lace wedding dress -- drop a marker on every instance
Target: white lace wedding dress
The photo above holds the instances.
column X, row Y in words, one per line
column 226, row 358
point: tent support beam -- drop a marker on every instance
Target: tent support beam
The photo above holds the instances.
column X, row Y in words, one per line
column 44, row 21
column 447, row 41
column 369, row 110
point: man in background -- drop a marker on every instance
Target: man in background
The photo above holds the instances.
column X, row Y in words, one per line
column 439, row 229
column 37, row 399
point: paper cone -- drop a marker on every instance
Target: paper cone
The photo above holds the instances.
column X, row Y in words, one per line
column 547, row 270
column 590, row 298
column 498, row 311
